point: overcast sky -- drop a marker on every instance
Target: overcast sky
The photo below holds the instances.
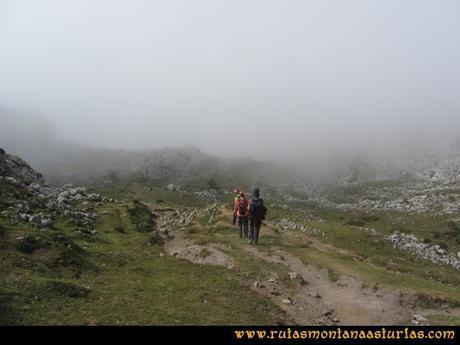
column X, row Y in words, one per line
column 236, row 77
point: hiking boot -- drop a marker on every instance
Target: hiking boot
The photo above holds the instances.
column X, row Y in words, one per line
column 250, row 242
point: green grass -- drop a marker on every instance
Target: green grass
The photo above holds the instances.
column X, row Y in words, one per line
column 119, row 277
column 410, row 281
column 370, row 258
column 130, row 283
column 152, row 195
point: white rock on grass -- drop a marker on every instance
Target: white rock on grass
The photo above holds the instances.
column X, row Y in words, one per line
column 293, row 275
column 286, row 301
column 435, row 254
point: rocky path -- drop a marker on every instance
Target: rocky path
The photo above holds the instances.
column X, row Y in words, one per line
column 312, row 297
column 347, row 301
column 315, row 299
column 182, row 247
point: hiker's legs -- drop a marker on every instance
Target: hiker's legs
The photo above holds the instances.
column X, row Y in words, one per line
column 245, row 226
column 251, row 229
column 257, row 224
column 240, row 225
column 234, row 219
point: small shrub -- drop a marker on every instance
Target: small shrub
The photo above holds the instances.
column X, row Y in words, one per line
column 204, row 253
column 443, row 245
column 141, row 216
column 120, row 228
column 156, row 239
column 66, row 289
column 333, row 276
column 29, row 244
column 354, row 222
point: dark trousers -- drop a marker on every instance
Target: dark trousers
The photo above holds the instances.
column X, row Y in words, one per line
column 254, row 228
column 234, row 219
column 243, row 224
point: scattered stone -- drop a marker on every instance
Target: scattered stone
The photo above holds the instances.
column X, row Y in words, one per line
column 46, row 222
column 322, row 321
column 293, row 275
column 86, row 231
column 56, row 201
column 286, row 301
column 435, row 254
column 370, row 232
column 419, row 320
column 328, row 312
column 314, row 295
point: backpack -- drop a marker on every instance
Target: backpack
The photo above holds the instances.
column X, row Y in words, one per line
column 243, row 206
column 258, row 209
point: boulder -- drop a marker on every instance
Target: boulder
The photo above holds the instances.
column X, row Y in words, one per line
column 46, row 222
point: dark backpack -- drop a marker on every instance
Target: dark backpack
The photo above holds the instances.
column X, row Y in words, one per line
column 258, row 209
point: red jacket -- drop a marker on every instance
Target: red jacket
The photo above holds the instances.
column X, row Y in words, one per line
column 245, row 206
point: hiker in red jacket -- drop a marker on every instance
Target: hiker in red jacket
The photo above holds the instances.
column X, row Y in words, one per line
column 242, row 212
column 235, row 200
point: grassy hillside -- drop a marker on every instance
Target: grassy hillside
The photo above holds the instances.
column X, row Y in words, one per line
column 118, row 276
column 127, row 274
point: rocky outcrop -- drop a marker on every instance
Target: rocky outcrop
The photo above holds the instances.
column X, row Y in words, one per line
column 177, row 165
column 180, row 219
column 419, row 184
column 15, row 171
column 26, row 198
column 435, row 254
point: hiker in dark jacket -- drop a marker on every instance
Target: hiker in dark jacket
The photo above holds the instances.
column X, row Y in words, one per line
column 257, row 212
column 242, row 211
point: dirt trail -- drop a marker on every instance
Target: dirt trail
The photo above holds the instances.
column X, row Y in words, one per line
column 312, row 298
column 315, row 299
column 181, row 247
column 346, row 301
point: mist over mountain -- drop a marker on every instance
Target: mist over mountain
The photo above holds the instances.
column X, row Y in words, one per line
column 34, row 137
column 127, row 126
column 338, row 79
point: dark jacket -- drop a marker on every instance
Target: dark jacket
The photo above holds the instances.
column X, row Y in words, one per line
column 252, row 214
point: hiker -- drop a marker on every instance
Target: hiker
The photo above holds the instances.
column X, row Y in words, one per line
column 242, row 211
column 235, row 200
column 257, row 212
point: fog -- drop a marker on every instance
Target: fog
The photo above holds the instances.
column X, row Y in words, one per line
column 264, row 79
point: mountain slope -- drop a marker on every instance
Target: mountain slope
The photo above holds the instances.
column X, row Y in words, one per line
column 134, row 253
